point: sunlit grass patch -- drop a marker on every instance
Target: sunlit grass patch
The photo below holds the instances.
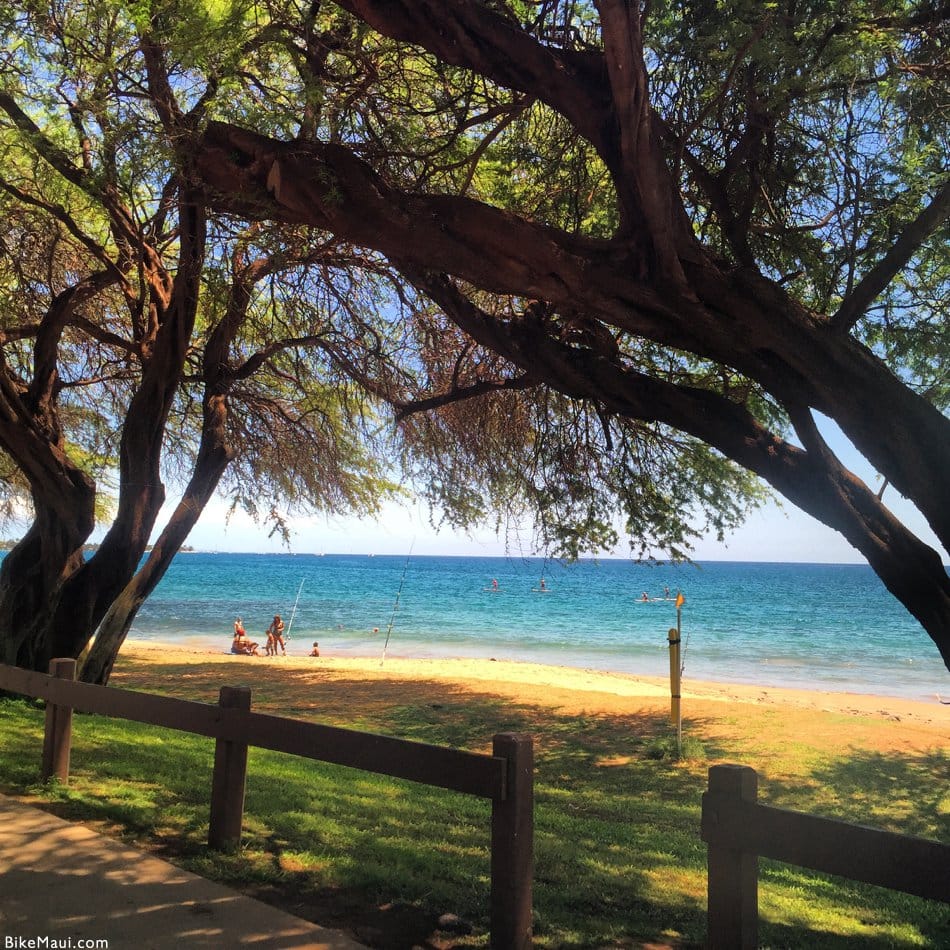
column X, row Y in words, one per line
column 803, row 909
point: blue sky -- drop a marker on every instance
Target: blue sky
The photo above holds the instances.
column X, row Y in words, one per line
column 778, row 532
column 772, row 534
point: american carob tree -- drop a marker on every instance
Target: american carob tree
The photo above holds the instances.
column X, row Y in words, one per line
column 628, row 257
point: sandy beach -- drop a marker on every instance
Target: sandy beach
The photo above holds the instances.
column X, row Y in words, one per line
column 569, row 690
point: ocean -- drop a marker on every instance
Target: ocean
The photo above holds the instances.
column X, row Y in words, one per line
column 815, row 626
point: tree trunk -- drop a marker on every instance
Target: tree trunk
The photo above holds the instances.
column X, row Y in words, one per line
column 51, row 599
column 32, row 574
column 213, row 459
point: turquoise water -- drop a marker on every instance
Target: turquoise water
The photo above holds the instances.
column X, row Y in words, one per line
column 816, row 626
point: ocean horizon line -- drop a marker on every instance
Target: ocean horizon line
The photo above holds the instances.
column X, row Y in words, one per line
column 551, row 559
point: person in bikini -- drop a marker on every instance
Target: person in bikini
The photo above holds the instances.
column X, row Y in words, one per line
column 275, row 637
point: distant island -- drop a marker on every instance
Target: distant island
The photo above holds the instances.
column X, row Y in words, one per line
column 9, row 545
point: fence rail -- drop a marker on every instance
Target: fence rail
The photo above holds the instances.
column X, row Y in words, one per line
column 506, row 777
column 738, row 831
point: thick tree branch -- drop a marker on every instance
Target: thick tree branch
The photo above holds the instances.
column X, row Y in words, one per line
column 736, row 318
column 328, row 187
column 813, row 479
column 55, row 481
column 591, row 89
column 46, row 349
column 642, row 178
column 494, row 45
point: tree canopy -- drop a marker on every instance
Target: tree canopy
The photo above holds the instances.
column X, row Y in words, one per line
column 145, row 342
column 600, row 258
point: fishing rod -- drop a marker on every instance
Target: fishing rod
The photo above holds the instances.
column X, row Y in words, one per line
column 680, row 600
column 293, row 613
column 392, row 619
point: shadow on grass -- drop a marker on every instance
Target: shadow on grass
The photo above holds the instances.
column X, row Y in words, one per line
column 890, row 792
column 903, row 794
column 619, row 861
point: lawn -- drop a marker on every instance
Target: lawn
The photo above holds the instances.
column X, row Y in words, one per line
column 619, row 861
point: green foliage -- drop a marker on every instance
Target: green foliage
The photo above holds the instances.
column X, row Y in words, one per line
column 667, row 748
column 588, row 480
column 853, row 142
column 302, row 436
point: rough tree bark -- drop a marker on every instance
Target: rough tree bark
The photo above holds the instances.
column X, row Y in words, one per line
column 211, row 463
column 34, row 573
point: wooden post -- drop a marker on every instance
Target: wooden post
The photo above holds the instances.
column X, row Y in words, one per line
column 229, row 778
column 676, row 673
column 57, row 737
column 733, row 875
column 675, row 667
column 512, row 846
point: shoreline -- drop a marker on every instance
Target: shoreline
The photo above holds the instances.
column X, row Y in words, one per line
column 868, row 670
column 581, row 688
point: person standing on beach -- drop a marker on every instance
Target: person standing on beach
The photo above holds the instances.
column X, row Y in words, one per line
column 275, row 636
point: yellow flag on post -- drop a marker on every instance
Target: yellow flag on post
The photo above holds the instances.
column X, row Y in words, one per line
column 680, row 600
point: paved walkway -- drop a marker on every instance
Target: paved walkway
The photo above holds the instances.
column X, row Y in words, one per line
column 61, row 880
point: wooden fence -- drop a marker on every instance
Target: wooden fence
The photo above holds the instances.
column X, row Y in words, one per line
column 737, row 831
column 506, row 777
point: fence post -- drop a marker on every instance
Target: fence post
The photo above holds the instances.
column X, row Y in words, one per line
column 512, row 845
column 733, row 875
column 58, row 734
column 229, row 778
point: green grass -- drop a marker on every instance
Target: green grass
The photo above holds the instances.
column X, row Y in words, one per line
column 618, row 855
